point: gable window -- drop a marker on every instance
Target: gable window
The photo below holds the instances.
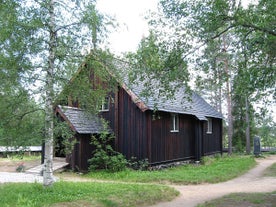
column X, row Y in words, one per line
column 209, row 126
column 105, row 104
column 174, row 123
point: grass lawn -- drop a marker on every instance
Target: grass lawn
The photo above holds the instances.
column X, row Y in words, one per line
column 83, row 194
column 68, row 194
column 271, row 171
column 18, row 158
column 243, row 199
column 214, row 170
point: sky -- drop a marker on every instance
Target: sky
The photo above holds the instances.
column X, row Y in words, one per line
column 130, row 15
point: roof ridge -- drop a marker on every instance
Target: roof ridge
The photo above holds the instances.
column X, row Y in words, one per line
column 70, row 107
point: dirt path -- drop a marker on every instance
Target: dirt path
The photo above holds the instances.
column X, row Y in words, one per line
column 252, row 181
column 11, row 165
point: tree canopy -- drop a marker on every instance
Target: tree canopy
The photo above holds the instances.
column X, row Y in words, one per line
column 230, row 48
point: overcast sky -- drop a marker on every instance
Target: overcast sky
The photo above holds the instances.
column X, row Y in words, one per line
column 130, row 14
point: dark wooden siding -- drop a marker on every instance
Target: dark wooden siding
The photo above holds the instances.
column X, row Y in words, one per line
column 132, row 128
column 110, row 114
column 212, row 143
column 169, row 146
column 82, row 152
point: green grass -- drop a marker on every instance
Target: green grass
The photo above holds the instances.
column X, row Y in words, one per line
column 83, row 194
column 243, row 199
column 16, row 158
column 271, row 171
column 214, row 170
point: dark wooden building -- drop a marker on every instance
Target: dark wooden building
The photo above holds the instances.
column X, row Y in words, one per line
column 157, row 128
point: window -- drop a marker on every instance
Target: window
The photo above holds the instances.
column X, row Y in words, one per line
column 209, row 126
column 105, row 104
column 174, row 123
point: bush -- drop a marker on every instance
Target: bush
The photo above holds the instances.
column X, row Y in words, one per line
column 136, row 164
column 104, row 157
column 21, row 167
column 101, row 160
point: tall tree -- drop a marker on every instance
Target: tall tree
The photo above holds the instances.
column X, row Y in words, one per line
column 20, row 116
column 157, row 62
column 196, row 24
column 21, row 121
column 51, row 37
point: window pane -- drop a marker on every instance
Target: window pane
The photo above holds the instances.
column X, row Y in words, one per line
column 174, row 122
column 209, row 125
column 105, row 104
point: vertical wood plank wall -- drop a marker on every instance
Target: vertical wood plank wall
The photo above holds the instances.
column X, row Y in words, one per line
column 132, row 128
column 172, row 146
column 212, row 143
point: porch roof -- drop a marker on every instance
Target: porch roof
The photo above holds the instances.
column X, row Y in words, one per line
column 80, row 121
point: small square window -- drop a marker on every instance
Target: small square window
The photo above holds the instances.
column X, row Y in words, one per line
column 209, row 126
column 174, row 123
column 105, row 104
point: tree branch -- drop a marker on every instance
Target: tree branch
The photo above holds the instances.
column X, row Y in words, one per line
column 66, row 26
column 29, row 112
column 265, row 30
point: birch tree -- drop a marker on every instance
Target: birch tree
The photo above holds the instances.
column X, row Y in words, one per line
column 56, row 32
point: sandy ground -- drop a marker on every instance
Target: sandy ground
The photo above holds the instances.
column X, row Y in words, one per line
column 10, row 166
column 252, row 181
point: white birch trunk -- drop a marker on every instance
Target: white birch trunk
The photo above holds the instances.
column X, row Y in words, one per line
column 48, row 178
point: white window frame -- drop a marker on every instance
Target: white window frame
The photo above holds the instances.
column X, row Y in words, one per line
column 209, row 126
column 105, row 104
column 174, row 123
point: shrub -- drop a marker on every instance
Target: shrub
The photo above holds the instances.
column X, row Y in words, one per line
column 136, row 164
column 21, row 167
column 104, row 157
column 101, row 160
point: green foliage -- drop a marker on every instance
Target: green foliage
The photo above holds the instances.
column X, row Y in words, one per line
column 97, row 73
column 42, row 43
column 16, row 158
column 63, row 137
column 104, row 157
column 87, row 193
column 217, row 169
column 267, row 131
column 251, row 31
column 21, row 121
column 137, row 164
column 239, row 110
column 21, row 167
column 232, row 48
column 271, row 171
column 159, row 63
column 243, row 199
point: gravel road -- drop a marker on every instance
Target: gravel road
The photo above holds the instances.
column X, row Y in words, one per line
column 9, row 177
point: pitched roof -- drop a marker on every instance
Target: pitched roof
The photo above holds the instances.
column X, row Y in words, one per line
column 181, row 102
column 80, row 121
